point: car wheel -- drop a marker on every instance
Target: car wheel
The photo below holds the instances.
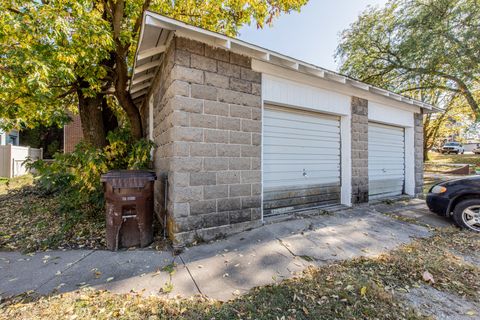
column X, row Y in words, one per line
column 467, row 214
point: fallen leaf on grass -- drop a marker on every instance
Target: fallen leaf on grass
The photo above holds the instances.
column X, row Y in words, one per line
column 427, row 276
column 363, row 291
column 305, row 310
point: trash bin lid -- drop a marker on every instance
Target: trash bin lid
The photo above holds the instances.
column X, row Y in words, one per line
column 128, row 178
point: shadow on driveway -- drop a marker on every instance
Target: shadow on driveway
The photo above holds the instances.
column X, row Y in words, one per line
column 224, row 268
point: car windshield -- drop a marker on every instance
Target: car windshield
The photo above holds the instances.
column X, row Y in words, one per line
column 450, row 144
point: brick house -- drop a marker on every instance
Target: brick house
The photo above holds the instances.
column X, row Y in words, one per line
column 244, row 133
column 72, row 133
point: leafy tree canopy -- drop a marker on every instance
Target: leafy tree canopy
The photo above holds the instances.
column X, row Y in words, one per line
column 413, row 46
column 57, row 54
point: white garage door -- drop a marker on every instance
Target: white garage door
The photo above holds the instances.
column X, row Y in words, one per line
column 301, row 159
column 386, row 160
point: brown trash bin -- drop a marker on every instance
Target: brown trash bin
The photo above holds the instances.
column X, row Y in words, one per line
column 129, row 208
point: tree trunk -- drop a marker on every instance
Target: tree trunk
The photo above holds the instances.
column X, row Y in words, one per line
column 122, row 94
column 132, row 112
column 110, row 121
column 425, row 152
column 90, row 109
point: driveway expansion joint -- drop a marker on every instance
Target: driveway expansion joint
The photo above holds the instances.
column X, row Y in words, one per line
column 190, row 274
column 69, row 265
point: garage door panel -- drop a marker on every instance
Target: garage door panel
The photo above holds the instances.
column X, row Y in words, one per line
column 380, row 164
column 311, row 134
column 388, row 172
column 383, row 138
column 290, row 178
column 297, row 116
column 383, row 153
column 299, row 142
column 293, row 176
column 381, row 147
column 387, row 187
column 272, row 151
column 298, row 168
column 289, row 137
column 296, row 160
column 304, row 201
column 305, row 126
column 388, row 130
column 386, row 160
column 301, row 159
column 280, row 184
column 301, row 191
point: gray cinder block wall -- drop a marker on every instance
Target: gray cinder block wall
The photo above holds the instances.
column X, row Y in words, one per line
column 418, row 137
column 207, row 126
column 359, row 150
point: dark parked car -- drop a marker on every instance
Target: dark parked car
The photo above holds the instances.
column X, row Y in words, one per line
column 459, row 199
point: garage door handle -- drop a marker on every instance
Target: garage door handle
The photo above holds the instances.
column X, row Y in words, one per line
column 384, row 170
column 304, row 173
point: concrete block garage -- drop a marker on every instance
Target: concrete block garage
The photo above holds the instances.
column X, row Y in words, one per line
column 243, row 133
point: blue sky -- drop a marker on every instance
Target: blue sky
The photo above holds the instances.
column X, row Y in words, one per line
column 311, row 35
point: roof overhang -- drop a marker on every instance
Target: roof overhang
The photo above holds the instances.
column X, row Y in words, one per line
column 157, row 31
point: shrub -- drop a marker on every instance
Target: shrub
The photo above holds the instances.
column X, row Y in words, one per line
column 75, row 177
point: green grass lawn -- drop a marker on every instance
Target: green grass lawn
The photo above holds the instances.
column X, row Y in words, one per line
column 438, row 158
column 15, row 183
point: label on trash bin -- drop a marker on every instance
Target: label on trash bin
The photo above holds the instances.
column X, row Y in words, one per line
column 129, row 198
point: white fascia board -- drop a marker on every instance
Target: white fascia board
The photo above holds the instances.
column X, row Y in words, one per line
column 358, row 84
column 314, row 71
column 256, row 52
column 140, row 40
column 223, row 43
column 335, row 77
column 326, row 84
column 155, row 22
column 284, row 62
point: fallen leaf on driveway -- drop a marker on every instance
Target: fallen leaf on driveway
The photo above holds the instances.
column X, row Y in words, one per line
column 427, row 276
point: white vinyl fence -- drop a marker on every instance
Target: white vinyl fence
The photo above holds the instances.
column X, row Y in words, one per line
column 12, row 159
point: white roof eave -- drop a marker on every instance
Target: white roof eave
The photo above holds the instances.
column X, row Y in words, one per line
column 235, row 45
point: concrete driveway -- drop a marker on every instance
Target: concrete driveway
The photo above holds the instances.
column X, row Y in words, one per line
column 224, row 268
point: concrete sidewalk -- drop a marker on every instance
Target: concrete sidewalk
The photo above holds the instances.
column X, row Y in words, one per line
column 225, row 268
